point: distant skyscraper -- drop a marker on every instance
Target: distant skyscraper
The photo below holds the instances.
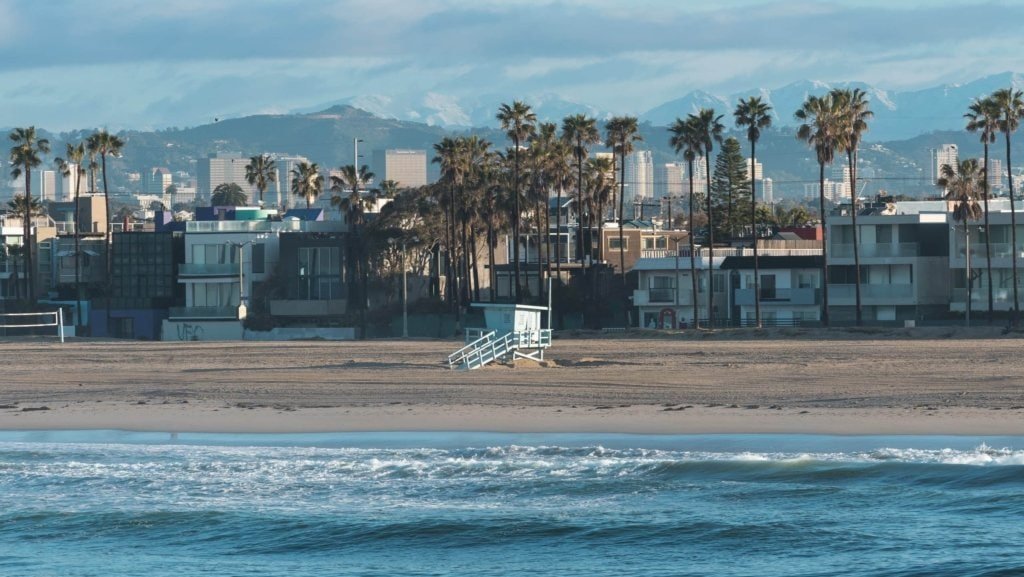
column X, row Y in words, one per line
column 283, row 184
column 995, row 176
column 758, row 169
column 221, row 168
column 767, row 194
column 44, row 185
column 406, row 167
column 68, row 183
column 840, row 182
column 945, row 154
column 668, row 180
column 156, row 180
column 639, row 177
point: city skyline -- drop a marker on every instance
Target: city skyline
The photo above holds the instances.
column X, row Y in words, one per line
column 184, row 62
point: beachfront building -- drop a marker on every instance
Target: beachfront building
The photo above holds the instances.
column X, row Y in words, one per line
column 904, row 263
column 789, row 290
column 231, row 259
column 1002, row 265
column 664, row 297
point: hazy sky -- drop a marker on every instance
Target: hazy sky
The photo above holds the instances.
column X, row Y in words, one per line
column 157, row 63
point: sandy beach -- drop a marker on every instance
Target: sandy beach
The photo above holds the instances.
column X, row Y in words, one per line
column 872, row 381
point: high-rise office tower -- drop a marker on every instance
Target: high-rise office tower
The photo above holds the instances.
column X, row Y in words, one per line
column 406, row 167
column 222, row 168
column 945, row 154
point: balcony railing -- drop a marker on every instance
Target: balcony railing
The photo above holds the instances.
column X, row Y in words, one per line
column 874, row 292
column 905, row 249
column 208, row 269
column 264, row 226
column 664, row 297
column 790, row 296
column 203, row 312
column 684, row 252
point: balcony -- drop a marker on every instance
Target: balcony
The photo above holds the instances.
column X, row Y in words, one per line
column 190, row 269
column 1002, row 299
column 900, row 250
column 789, row 296
column 663, row 297
column 872, row 294
column 684, row 252
column 204, row 313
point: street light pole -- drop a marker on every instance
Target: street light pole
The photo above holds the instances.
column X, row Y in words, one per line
column 242, row 310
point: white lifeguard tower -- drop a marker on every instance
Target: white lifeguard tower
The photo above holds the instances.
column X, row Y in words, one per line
column 513, row 331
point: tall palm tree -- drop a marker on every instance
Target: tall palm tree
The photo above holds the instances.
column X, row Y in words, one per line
column 307, row 182
column 26, row 155
column 817, row 129
column 709, row 129
column 756, row 116
column 581, row 130
column 105, row 144
column 853, row 114
column 450, row 155
column 74, row 156
column 388, row 188
column 600, row 174
column 621, row 133
column 355, row 205
column 684, row 139
column 260, row 172
column 983, row 118
column 517, row 120
column 962, row 186
column 1009, row 105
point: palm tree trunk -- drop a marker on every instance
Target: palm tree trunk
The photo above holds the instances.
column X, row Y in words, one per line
column 1014, row 317
column 78, row 253
column 824, row 244
column 107, row 247
column 622, row 244
column 476, row 265
column 711, row 248
column 491, row 276
column 988, row 239
column 515, row 218
column 753, row 234
column 541, row 264
column 693, row 257
column 558, row 234
column 579, row 203
column 852, row 159
column 30, row 277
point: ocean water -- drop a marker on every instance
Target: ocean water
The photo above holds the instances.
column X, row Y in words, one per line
column 115, row 504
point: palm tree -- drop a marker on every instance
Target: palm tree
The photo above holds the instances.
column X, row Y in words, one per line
column 388, row 188
column 581, row 130
column 105, row 144
column 684, row 139
column 756, row 116
column 354, row 205
column 260, row 172
column 75, row 155
column 709, row 128
column 983, row 117
column 307, row 182
column 853, row 114
column 621, row 133
column 818, row 131
column 25, row 155
column 600, row 174
column 1009, row 105
column 228, row 194
column 962, row 186
column 449, row 154
column 517, row 120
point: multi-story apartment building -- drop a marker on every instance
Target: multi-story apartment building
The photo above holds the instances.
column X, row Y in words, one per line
column 904, row 266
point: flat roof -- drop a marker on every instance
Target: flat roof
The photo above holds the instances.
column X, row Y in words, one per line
column 508, row 306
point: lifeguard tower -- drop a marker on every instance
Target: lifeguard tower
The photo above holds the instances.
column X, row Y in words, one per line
column 513, row 331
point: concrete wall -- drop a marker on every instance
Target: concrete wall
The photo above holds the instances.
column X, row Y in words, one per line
column 201, row 331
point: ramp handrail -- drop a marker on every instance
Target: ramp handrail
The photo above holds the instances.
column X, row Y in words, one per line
column 489, row 351
column 459, row 356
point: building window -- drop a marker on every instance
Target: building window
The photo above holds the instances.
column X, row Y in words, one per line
column 259, row 258
column 319, row 274
column 615, row 244
column 655, row 242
